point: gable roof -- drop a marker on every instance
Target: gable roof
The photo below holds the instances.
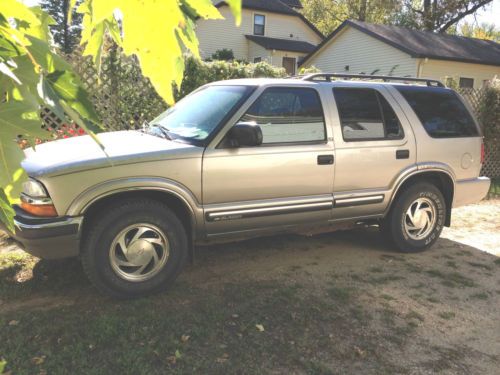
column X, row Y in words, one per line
column 274, row 6
column 422, row 44
column 282, row 44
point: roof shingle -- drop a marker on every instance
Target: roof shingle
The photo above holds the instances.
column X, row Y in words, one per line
column 282, row 44
column 421, row 44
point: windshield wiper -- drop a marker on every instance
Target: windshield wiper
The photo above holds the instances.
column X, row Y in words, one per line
column 164, row 131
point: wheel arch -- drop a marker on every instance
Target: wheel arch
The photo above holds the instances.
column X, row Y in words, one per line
column 441, row 178
column 181, row 200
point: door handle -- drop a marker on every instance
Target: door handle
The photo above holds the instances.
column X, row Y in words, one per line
column 325, row 159
column 402, row 154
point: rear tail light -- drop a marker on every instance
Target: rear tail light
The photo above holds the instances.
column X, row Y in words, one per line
column 482, row 152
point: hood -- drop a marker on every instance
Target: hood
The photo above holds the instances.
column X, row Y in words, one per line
column 82, row 153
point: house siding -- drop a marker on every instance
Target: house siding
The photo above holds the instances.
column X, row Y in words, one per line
column 363, row 54
column 440, row 69
column 218, row 34
column 254, row 50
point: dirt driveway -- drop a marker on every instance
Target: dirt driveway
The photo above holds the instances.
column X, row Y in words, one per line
column 336, row 303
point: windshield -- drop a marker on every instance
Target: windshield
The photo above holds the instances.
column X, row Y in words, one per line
column 197, row 115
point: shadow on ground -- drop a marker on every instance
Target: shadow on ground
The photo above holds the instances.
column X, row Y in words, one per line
column 332, row 303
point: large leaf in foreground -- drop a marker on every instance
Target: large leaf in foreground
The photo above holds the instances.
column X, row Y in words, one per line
column 68, row 87
column 16, row 119
column 6, row 215
column 152, row 31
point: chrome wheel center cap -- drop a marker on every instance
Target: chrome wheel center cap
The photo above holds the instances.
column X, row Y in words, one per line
column 140, row 252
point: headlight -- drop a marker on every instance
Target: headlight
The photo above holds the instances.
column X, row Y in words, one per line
column 34, row 189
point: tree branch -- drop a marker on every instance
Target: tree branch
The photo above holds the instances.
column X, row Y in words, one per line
column 459, row 16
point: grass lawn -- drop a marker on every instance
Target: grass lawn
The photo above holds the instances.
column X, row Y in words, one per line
column 336, row 303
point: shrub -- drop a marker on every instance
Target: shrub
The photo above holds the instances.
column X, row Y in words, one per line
column 489, row 111
column 199, row 73
column 223, row 54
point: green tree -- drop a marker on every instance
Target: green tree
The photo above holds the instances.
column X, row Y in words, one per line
column 432, row 15
column 66, row 35
column 32, row 74
column 437, row 16
column 327, row 15
column 484, row 30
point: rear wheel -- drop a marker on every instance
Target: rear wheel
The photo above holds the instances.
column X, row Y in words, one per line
column 135, row 249
column 417, row 218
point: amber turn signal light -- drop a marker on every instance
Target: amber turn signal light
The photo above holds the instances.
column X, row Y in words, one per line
column 47, row 210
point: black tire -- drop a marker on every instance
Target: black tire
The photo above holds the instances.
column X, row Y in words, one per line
column 102, row 232
column 394, row 227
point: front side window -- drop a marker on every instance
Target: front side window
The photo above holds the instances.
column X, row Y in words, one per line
column 288, row 115
column 366, row 115
column 440, row 111
column 197, row 115
column 259, row 24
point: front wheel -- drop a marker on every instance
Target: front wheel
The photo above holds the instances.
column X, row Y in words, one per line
column 134, row 249
column 417, row 218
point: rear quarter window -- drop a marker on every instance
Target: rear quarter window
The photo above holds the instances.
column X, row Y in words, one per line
column 440, row 111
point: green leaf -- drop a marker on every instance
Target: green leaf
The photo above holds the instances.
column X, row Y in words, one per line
column 204, row 8
column 50, row 97
column 7, row 214
column 67, row 87
column 71, row 7
column 44, row 56
column 81, row 123
column 149, row 35
column 7, row 48
column 6, row 70
column 235, row 6
column 16, row 119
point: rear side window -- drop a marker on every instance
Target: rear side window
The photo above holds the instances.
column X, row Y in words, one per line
column 288, row 115
column 366, row 115
column 440, row 111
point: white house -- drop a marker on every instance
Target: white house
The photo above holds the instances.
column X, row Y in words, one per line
column 358, row 47
column 271, row 30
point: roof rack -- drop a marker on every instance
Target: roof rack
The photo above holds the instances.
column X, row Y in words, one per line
column 328, row 77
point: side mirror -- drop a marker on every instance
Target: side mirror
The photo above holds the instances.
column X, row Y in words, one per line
column 245, row 134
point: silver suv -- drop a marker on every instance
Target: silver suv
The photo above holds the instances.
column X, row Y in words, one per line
column 248, row 157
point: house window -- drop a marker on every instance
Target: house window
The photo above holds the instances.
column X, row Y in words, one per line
column 466, row 82
column 366, row 115
column 257, row 60
column 259, row 24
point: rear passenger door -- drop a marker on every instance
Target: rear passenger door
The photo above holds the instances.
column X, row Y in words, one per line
column 374, row 145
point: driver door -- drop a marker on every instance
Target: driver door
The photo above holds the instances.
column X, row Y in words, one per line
column 286, row 180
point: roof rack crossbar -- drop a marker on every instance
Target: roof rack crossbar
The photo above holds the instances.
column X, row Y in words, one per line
column 328, row 77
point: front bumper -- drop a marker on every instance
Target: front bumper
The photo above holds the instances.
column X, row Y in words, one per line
column 471, row 191
column 47, row 238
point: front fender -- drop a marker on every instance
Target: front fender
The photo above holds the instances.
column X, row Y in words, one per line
column 91, row 195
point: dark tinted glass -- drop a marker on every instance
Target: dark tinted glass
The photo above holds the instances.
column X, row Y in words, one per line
column 440, row 111
column 393, row 127
column 288, row 115
column 366, row 115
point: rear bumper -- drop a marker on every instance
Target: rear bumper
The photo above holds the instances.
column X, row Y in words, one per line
column 471, row 191
column 47, row 238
